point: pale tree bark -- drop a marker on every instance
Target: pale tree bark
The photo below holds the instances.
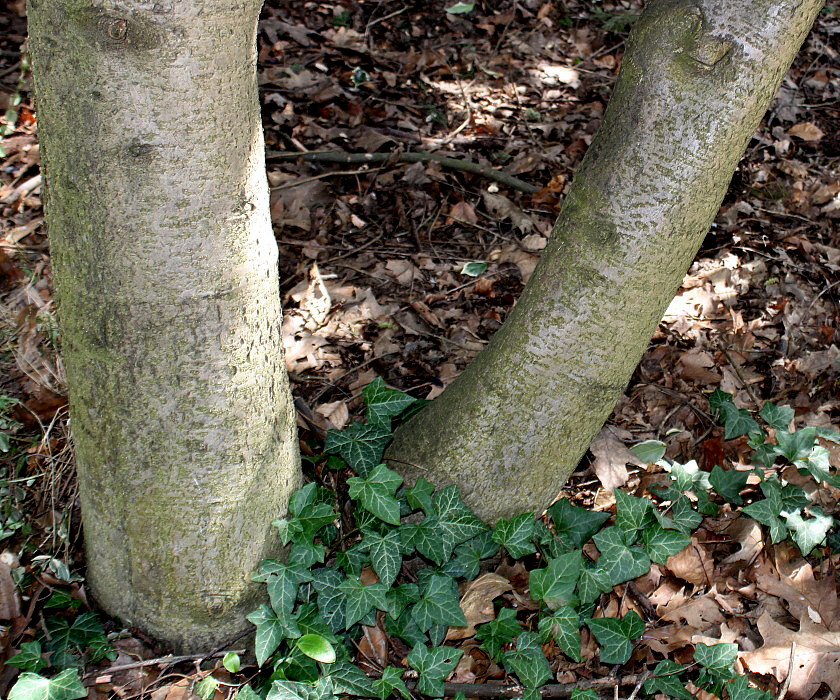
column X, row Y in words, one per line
column 166, row 269
column 694, row 84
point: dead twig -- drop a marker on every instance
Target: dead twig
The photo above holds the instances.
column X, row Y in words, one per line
column 413, row 157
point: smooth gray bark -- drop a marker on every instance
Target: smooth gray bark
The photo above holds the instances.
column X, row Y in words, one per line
column 166, row 269
column 695, row 81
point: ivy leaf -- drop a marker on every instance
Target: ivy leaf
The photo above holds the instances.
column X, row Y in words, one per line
column 515, row 535
column 811, row 532
column 739, row 689
column 360, row 445
column 463, row 8
column 527, row 661
column 616, row 636
column 592, row 583
column 619, row 562
column 439, row 604
column 717, row 660
column 716, row 400
column 584, row 694
column 737, row 421
column 316, row 647
column 361, row 599
column 206, row 687
column 390, row 683
column 563, row 626
column 818, row 465
column 232, row 662
column 385, row 554
column 728, row 483
column 577, row 525
column 495, row 634
column 665, row 681
column 555, row 584
column 401, row 597
column 433, row 665
column 688, row 477
column 84, row 630
column 419, row 496
column 777, row 416
column 302, row 528
column 764, row 512
column 272, row 629
column 282, row 581
column 684, row 517
column 467, row 561
column 798, row 445
column 649, row 451
column 349, row 678
column 246, row 692
column 632, row 514
column 376, row 493
column 28, row 658
column 451, row 524
column 383, row 403
column 307, row 554
column 292, row 690
column 405, row 628
column 331, row 599
column 64, row 686
column 660, row 543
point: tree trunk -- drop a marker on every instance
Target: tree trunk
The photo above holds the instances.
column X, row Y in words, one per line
column 166, row 270
column 694, row 84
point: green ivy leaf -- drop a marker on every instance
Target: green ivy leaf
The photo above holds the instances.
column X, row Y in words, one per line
column 515, row 535
column 717, row 660
column 555, row 584
column 376, row 493
column 739, row 689
column 632, row 514
column 232, row 662
column 527, row 661
column 577, row 525
column 619, row 562
column 737, row 421
column 433, row 665
column 818, row 465
column 272, row 628
column 206, row 687
column 684, row 517
column 64, row 686
column 779, row 417
column 84, row 630
column 450, row 524
column 331, row 599
column 798, row 445
column 649, row 451
column 360, row 445
column 28, row 658
column 584, row 694
column 405, row 628
column 811, row 532
column 728, row 483
column 385, row 554
column 419, row 496
column 592, row 583
column 390, row 683
column 688, row 477
column 765, row 513
column 660, row 543
column 463, row 8
column 495, row 634
column 349, row 678
column 361, row 599
column 282, row 581
column 717, row 399
column 467, row 561
column 616, row 636
column 292, row 690
column 439, row 604
column 563, row 626
column 246, row 692
column 383, row 403
column 665, row 681
column 302, row 528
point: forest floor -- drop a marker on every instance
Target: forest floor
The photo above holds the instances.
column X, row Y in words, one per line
column 404, row 271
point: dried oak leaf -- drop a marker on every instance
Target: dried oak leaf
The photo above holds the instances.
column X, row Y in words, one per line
column 816, row 658
column 477, row 603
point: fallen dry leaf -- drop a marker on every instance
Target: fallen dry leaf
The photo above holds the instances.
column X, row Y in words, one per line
column 611, row 459
column 9, row 597
column 701, row 612
column 816, row 658
column 807, row 131
column 693, row 564
column 373, row 648
column 477, row 603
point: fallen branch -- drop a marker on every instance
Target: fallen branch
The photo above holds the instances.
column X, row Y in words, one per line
column 412, row 157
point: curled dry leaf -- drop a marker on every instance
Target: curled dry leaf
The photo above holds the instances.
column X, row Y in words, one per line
column 373, row 648
column 807, row 131
column 693, row 564
column 611, row 459
column 477, row 603
column 9, row 598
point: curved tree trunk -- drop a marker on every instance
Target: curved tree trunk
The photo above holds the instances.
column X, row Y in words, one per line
column 695, row 82
column 166, row 270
